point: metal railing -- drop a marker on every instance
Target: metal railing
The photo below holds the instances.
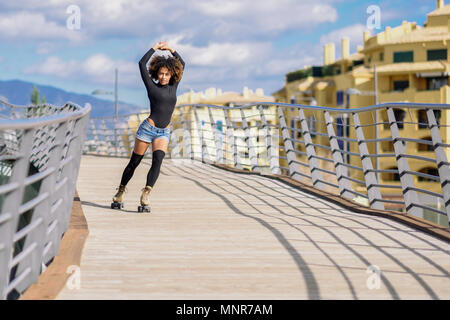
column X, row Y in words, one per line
column 40, row 153
column 397, row 163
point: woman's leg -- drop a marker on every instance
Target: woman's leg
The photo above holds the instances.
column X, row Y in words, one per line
column 159, row 148
column 140, row 147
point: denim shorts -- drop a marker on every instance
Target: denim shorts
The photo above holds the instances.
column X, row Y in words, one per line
column 146, row 132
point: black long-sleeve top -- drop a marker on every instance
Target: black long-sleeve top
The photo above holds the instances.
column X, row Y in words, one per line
column 162, row 97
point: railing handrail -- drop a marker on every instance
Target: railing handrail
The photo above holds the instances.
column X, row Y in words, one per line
column 44, row 120
column 298, row 106
column 329, row 109
column 41, row 147
column 346, row 140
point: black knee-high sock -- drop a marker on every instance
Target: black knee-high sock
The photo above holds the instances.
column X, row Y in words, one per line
column 153, row 173
column 129, row 169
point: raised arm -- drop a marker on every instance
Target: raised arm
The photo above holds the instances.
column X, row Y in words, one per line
column 175, row 54
column 143, row 69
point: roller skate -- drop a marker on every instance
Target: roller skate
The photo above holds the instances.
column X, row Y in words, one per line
column 144, row 207
column 117, row 199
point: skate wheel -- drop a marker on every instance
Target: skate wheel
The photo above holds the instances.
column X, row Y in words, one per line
column 116, row 205
column 143, row 209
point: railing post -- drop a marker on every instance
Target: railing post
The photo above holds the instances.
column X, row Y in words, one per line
column 316, row 175
column 187, row 138
column 116, row 146
column 290, row 154
column 107, row 138
column 272, row 155
column 42, row 212
column 406, row 179
column 203, row 145
column 232, row 140
column 344, row 184
column 217, row 138
column 94, row 132
column 373, row 192
column 130, row 138
column 53, row 236
column 9, row 216
column 250, row 145
column 441, row 160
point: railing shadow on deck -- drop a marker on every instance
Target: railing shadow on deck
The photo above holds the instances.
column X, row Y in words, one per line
column 217, row 182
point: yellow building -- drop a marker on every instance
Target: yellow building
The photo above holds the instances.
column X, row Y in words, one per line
column 412, row 65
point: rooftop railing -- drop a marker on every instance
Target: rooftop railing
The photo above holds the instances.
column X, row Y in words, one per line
column 40, row 152
column 390, row 156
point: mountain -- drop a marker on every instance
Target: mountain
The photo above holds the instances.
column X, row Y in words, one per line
column 19, row 92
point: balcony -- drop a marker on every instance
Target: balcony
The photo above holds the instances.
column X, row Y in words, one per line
column 411, row 95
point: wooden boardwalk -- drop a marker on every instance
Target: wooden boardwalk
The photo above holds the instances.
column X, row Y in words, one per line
column 214, row 234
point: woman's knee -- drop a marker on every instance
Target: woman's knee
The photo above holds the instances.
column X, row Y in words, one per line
column 158, row 156
column 135, row 160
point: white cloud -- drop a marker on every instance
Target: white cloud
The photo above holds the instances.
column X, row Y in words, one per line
column 97, row 68
column 224, row 43
column 45, row 47
column 217, row 54
column 231, row 20
column 29, row 25
column 353, row 32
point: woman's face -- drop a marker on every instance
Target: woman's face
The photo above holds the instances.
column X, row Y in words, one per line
column 164, row 75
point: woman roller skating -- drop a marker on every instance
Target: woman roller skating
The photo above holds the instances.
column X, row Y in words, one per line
column 155, row 129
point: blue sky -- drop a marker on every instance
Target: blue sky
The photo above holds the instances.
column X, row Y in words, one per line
column 225, row 44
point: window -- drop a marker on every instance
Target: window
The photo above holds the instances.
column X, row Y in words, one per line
column 439, row 54
column 435, row 83
column 387, row 146
column 401, row 85
column 430, row 171
column 391, row 176
column 403, row 56
column 299, row 126
column 219, row 125
column 425, row 147
column 381, row 56
column 422, row 118
column 339, row 98
column 236, row 124
column 399, row 117
column 317, row 71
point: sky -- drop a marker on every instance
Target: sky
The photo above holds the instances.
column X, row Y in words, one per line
column 76, row 45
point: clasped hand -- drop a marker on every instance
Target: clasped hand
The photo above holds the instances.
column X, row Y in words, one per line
column 162, row 45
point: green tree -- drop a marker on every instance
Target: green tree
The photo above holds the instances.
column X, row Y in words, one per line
column 35, row 96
